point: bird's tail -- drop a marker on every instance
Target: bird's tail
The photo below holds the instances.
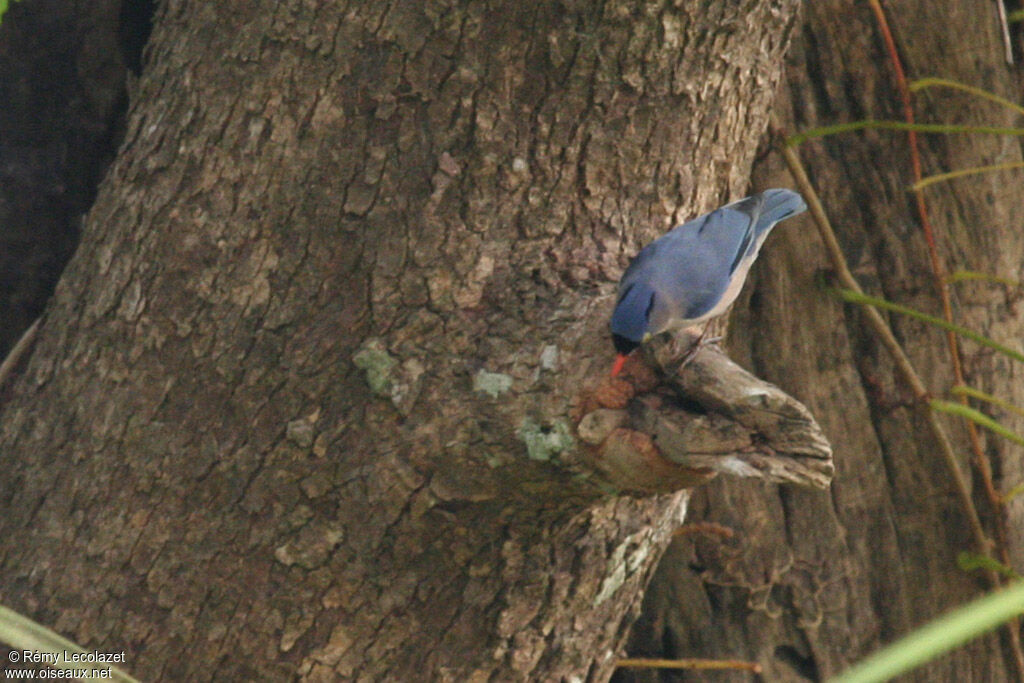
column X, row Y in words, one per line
column 777, row 205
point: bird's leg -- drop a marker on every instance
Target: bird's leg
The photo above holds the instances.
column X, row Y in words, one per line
column 695, row 347
column 696, row 342
column 704, row 340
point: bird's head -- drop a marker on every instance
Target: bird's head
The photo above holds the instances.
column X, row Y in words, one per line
column 631, row 320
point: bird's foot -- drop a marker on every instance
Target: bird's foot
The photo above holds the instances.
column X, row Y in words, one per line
column 696, row 343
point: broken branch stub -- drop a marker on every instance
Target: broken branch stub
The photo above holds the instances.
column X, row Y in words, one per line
column 730, row 422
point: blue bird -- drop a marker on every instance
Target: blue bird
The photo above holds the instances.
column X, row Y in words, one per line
column 694, row 272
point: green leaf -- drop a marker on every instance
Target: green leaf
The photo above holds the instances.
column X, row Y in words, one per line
column 971, row 392
column 21, row 633
column 965, row 275
column 939, row 636
column 960, row 173
column 859, row 298
column 923, row 83
column 970, row 562
column 4, row 4
column 823, row 131
column 1013, row 493
column 977, row 417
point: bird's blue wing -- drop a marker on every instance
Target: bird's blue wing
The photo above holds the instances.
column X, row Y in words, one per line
column 692, row 266
column 739, row 227
column 728, row 232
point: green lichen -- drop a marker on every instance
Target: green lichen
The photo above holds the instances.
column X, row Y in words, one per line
column 545, row 443
column 492, row 383
column 549, row 357
column 300, row 432
column 373, row 358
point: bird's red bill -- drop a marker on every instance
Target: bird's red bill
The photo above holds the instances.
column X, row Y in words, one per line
column 620, row 360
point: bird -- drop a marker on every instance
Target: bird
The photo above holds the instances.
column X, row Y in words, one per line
column 694, row 272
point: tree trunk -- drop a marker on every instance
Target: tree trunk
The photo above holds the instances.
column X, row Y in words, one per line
column 811, row 582
column 301, row 404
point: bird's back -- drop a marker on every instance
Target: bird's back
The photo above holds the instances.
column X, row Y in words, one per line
column 698, row 268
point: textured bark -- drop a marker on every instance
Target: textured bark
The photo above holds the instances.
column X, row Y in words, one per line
column 813, row 581
column 300, row 405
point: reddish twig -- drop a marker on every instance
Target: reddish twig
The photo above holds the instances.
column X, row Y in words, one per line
column 699, row 664
column 942, row 285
